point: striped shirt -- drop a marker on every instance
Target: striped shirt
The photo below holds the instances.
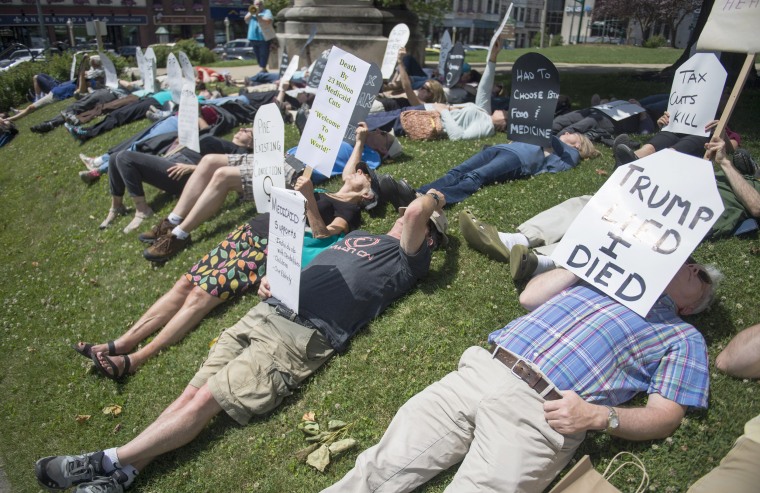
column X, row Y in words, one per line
column 589, row 343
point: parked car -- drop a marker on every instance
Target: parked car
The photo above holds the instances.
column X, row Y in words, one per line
column 20, row 56
column 128, row 50
column 237, row 49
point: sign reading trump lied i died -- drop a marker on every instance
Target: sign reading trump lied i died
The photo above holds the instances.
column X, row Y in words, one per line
column 534, row 96
column 636, row 232
column 287, row 220
column 396, row 40
column 268, row 168
column 695, row 94
column 338, row 93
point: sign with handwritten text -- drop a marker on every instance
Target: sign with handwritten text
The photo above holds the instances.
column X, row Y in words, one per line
column 533, row 99
column 149, row 77
column 396, row 40
column 188, row 72
column 187, row 118
column 639, row 228
column 284, row 61
column 444, row 54
column 454, row 65
column 732, row 26
column 366, row 97
column 174, row 77
column 268, row 142
column 695, row 94
column 317, row 69
column 287, row 219
column 290, row 70
column 112, row 81
column 620, row 109
column 339, row 90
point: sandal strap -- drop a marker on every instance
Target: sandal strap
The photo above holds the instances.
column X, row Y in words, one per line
column 111, row 347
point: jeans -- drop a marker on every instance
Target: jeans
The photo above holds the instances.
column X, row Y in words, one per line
column 261, row 50
column 490, row 165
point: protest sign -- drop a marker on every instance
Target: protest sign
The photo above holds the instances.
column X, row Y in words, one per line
column 290, row 70
column 140, row 60
column 187, row 118
column 149, row 79
column 316, row 71
column 366, row 97
column 695, row 94
column 396, row 40
column 73, row 70
column 497, row 33
column 174, row 77
column 535, row 91
column 732, row 26
column 339, row 89
column 287, row 220
column 445, row 48
column 112, row 82
column 639, row 228
column 619, row 110
column 312, row 34
column 188, row 72
column 284, row 61
column 453, row 66
column 268, row 142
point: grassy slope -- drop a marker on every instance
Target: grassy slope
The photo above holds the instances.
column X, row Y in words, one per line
column 63, row 280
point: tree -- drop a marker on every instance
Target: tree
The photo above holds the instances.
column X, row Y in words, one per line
column 648, row 12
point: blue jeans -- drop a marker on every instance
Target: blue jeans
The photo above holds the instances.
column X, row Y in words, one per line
column 490, row 165
column 261, row 49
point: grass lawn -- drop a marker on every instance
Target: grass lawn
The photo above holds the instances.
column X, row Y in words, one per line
column 64, row 281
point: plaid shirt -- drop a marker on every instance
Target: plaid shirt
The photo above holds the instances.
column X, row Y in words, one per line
column 587, row 342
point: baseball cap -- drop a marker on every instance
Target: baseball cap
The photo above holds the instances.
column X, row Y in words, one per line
column 374, row 184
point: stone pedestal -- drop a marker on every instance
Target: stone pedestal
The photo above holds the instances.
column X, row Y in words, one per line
column 355, row 26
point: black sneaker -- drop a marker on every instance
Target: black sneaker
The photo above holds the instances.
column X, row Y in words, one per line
column 60, row 472
column 42, row 128
column 744, row 163
column 165, row 248
column 623, row 155
column 114, row 483
column 159, row 230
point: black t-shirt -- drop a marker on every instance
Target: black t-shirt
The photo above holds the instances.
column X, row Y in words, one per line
column 329, row 209
column 354, row 280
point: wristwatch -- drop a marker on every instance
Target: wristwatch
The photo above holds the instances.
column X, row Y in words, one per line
column 613, row 422
column 435, row 197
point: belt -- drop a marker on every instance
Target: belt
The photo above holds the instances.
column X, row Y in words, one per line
column 286, row 312
column 525, row 372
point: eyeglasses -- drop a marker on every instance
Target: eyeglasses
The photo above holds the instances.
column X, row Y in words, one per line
column 701, row 273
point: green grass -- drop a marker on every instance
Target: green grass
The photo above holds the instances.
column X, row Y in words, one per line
column 586, row 54
column 64, row 280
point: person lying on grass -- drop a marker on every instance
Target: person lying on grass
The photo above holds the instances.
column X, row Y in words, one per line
column 263, row 358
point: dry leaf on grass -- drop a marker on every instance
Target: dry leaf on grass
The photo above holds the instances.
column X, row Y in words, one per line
column 112, row 410
column 319, row 459
column 601, row 172
column 81, row 418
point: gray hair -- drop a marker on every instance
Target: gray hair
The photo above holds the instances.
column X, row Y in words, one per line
column 707, row 300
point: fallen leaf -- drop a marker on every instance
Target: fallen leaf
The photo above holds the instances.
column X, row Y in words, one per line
column 81, row 418
column 319, row 459
column 319, row 438
column 342, row 445
column 602, row 172
column 213, row 341
column 309, row 416
column 35, row 264
column 302, row 454
column 114, row 410
column 117, row 428
column 335, row 424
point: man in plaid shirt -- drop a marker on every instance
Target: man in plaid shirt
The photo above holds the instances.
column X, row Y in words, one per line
column 515, row 415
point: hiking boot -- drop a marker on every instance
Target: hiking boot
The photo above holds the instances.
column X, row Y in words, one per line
column 165, row 248
column 522, row 262
column 64, row 471
column 114, row 483
column 744, row 163
column 161, row 229
column 482, row 237
column 90, row 177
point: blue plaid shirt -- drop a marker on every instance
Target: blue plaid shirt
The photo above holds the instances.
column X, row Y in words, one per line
column 585, row 341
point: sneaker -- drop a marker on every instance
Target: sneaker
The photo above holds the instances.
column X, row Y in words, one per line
column 482, row 237
column 89, row 162
column 398, row 192
column 158, row 115
column 161, row 229
column 42, row 128
column 522, row 263
column 621, row 139
column 165, row 248
column 624, row 155
column 744, row 163
column 64, row 471
column 70, row 117
column 79, row 133
column 90, row 177
column 113, row 483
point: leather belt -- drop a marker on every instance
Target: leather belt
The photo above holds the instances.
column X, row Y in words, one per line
column 286, row 312
column 525, row 372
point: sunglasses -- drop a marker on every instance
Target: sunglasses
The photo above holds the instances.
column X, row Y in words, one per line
column 701, row 273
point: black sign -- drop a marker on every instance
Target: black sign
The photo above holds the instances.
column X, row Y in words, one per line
column 371, row 87
column 535, row 91
column 284, row 61
column 316, row 73
column 453, row 65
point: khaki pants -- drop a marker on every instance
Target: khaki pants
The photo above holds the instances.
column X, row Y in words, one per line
column 738, row 472
column 547, row 228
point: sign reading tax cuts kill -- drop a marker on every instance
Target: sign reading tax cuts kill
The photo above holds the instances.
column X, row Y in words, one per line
column 287, row 220
column 534, row 96
column 636, row 232
column 396, row 40
column 268, row 168
column 695, row 94
column 338, row 93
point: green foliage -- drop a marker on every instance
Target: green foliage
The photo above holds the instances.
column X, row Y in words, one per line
column 656, row 41
column 556, row 40
column 198, row 55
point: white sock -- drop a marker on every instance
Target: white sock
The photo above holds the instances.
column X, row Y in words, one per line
column 545, row 263
column 175, row 219
column 131, row 473
column 97, row 161
column 512, row 239
column 179, row 233
column 111, row 460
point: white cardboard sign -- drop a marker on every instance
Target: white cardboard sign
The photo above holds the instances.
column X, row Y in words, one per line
column 338, row 93
column 619, row 110
column 287, row 221
column 396, row 40
column 188, row 72
column 174, row 77
column 187, row 118
column 446, row 45
column 732, row 26
column 501, row 28
column 695, row 94
column 268, row 144
column 73, row 67
column 140, row 59
column 292, row 67
column 112, row 82
column 149, row 78
column 639, row 228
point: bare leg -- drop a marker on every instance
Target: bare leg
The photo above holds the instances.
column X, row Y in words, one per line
column 224, row 181
column 142, row 206
column 197, row 305
column 37, row 89
column 644, row 151
column 180, row 423
column 198, row 181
